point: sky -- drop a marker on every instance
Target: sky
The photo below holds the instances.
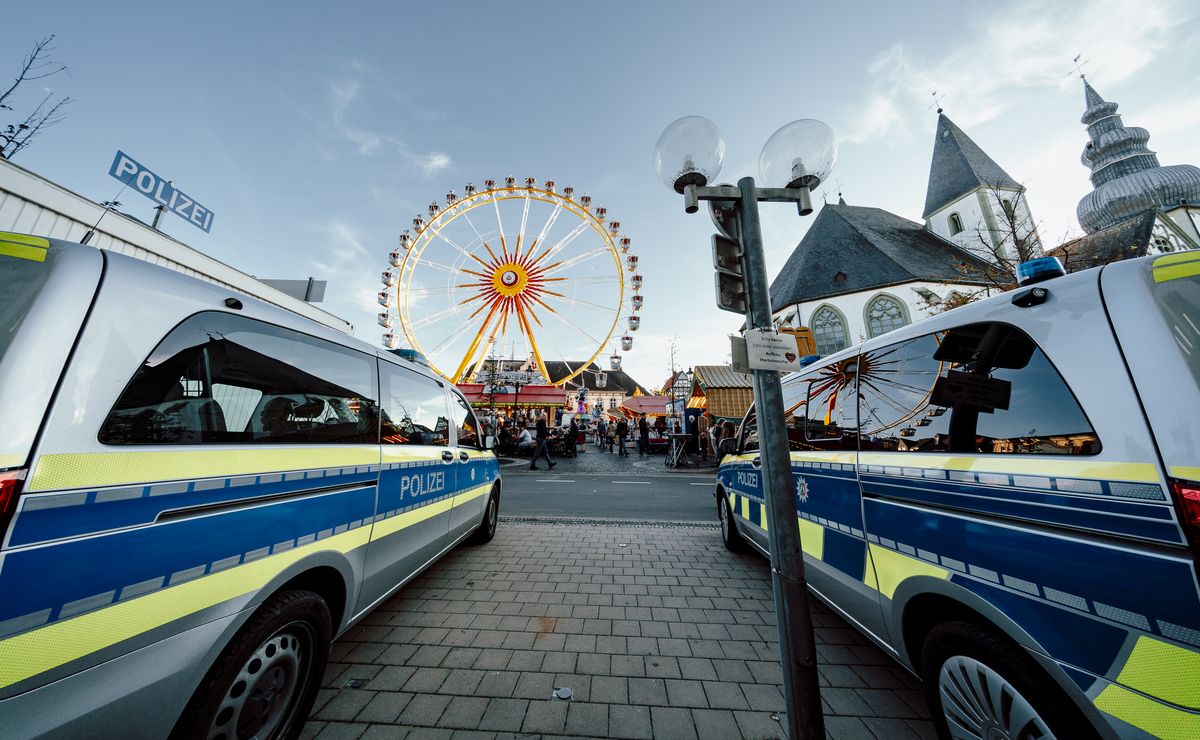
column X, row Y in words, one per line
column 316, row 131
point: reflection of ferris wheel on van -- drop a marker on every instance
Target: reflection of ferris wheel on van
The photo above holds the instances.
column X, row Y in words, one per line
column 513, row 263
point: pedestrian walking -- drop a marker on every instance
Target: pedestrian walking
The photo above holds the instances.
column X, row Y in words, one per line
column 610, row 437
column 572, row 439
column 643, row 436
column 728, row 431
column 622, row 433
column 543, row 448
column 601, row 434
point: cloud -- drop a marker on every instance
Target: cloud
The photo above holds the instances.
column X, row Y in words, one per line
column 348, row 266
column 1020, row 50
column 432, row 163
column 341, row 95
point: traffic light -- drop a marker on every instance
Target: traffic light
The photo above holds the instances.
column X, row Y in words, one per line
column 730, row 277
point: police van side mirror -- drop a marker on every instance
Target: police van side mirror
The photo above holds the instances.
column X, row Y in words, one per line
column 727, row 446
column 489, row 442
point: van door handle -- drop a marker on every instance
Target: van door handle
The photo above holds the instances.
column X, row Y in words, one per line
column 756, row 462
column 463, row 456
column 447, row 455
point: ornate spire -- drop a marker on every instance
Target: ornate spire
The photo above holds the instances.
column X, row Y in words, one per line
column 1126, row 174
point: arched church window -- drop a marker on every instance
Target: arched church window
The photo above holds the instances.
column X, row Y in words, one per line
column 829, row 330
column 956, row 226
column 885, row 313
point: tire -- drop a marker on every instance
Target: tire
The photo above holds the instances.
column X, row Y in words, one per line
column 491, row 517
column 729, row 534
column 265, row 680
column 963, row 665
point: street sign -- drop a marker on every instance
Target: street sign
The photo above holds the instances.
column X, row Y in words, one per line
column 770, row 350
column 129, row 171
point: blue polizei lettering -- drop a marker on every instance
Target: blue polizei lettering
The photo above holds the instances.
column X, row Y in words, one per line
column 422, row 485
column 131, row 172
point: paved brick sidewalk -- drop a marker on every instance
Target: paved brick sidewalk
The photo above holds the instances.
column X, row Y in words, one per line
column 656, row 628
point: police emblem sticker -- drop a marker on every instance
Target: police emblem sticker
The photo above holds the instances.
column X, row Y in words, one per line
column 802, row 489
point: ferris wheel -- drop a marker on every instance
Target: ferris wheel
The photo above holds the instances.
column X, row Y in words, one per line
column 513, row 271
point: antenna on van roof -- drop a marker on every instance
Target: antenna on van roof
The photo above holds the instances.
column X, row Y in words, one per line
column 108, row 206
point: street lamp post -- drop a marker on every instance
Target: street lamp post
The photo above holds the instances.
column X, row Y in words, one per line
column 798, row 157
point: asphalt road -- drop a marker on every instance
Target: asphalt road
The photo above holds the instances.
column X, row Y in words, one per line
column 610, row 495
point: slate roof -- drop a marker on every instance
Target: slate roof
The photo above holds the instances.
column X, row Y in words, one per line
column 617, row 379
column 870, row 248
column 958, row 167
column 1121, row 241
column 721, row 376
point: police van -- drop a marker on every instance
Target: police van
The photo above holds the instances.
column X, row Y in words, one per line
column 198, row 492
column 1006, row 498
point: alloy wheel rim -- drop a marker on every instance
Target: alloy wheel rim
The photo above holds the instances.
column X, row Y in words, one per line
column 723, row 515
column 264, row 692
column 491, row 514
column 979, row 703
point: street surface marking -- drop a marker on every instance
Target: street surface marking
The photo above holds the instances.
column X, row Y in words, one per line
column 552, row 480
column 700, row 484
column 633, row 482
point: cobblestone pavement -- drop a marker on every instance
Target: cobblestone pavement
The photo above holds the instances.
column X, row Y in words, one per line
column 657, row 630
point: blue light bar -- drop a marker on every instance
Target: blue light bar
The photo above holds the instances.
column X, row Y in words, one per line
column 1035, row 271
column 411, row 355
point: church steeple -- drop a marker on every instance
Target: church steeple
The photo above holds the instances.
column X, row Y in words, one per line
column 959, row 167
column 1126, row 174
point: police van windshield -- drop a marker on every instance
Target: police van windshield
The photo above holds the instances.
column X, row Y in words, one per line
column 1178, row 301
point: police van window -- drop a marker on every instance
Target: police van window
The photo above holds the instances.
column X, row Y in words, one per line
column 749, row 433
column 414, row 408
column 982, row 388
column 466, row 423
column 224, row 379
column 825, row 419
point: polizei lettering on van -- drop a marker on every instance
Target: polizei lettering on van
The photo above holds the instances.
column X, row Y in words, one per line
column 422, row 485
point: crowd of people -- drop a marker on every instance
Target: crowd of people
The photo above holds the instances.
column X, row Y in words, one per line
column 531, row 433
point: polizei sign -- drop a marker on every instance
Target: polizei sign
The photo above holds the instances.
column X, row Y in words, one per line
column 126, row 169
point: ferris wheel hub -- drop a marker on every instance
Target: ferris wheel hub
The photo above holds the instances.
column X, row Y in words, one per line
column 510, row 279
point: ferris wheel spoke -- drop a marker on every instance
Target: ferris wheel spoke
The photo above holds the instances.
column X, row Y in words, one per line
column 558, row 267
column 459, row 247
column 533, row 347
column 563, row 243
column 422, row 292
column 521, row 233
column 576, row 327
column 473, row 348
column 500, row 223
column 579, row 302
column 545, row 228
column 436, row 317
column 438, row 266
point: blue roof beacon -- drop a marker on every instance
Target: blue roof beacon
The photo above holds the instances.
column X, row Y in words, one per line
column 1035, row 271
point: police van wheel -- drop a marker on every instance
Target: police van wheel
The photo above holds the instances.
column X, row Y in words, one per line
column 264, row 683
column 729, row 534
column 979, row 685
column 491, row 517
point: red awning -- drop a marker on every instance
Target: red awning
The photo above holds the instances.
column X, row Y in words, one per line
column 652, row 405
column 543, row 396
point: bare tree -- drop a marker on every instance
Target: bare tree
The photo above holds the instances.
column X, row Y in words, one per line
column 38, row 64
column 1004, row 241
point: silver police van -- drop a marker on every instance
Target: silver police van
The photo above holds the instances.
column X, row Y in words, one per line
column 198, row 492
column 1006, row 498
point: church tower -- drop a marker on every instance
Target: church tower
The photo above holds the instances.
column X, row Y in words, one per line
column 972, row 202
column 1127, row 177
